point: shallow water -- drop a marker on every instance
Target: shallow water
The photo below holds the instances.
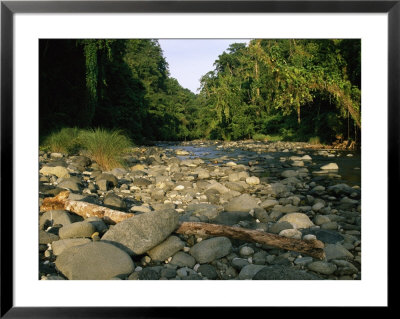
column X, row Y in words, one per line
column 349, row 167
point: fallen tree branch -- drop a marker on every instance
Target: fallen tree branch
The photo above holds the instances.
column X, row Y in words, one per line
column 83, row 209
column 313, row 248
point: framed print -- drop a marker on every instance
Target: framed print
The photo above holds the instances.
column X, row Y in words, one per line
column 251, row 161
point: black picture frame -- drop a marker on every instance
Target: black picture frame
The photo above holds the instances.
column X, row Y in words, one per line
column 9, row 8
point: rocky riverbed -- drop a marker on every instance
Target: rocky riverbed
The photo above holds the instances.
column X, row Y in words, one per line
column 290, row 189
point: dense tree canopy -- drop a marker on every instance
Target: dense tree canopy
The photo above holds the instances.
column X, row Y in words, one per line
column 261, row 87
column 293, row 88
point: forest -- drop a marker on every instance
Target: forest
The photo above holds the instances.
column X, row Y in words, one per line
column 284, row 89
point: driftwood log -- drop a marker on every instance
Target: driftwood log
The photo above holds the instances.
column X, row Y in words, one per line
column 313, row 248
column 83, row 209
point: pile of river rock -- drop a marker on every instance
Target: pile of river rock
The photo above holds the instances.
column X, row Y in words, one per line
column 285, row 195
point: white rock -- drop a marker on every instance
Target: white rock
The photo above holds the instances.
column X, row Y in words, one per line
column 306, row 158
column 330, row 166
column 291, row 233
column 230, row 164
column 253, row 180
column 309, row 237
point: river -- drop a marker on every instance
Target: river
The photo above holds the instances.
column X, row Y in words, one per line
column 257, row 153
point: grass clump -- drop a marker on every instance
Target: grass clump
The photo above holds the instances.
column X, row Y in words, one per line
column 64, row 141
column 105, row 147
column 314, row 140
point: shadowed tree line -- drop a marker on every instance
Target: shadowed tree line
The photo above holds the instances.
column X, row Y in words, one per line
column 292, row 88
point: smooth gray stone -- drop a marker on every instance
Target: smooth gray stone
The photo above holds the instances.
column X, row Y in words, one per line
column 142, row 232
column 249, row 271
column 77, row 230
column 210, row 249
column 47, row 238
column 231, row 218
column 182, row 259
column 94, row 261
column 242, row 203
column 114, row 202
column 70, row 184
column 60, row 245
column 203, row 209
column 322, row 267
column 55, row 217
column 166, row 249
column 337, row 251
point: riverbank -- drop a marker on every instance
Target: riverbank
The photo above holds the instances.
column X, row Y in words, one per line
column 290, row 189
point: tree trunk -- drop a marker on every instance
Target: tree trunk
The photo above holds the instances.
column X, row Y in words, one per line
column 298, row 115
column 313, row 248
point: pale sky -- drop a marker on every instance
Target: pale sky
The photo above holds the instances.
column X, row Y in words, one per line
column 190, row 59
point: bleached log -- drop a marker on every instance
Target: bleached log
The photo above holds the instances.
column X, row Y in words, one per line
column 83, row 209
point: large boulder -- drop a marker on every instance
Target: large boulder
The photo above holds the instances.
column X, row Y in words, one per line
column 94, row 261
column 141, row 233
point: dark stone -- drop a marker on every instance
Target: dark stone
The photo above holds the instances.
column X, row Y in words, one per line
column 168, row 273
column 278, row 227
column 284, row 273
column 208, row 271
column 50, row 190
column 114, row 202
column 141, row 182
column 192, row 277
column 148, row 274
column 110, row 178
column 231, row 218
column 55, row 163
column 81, row 161
column 324, row 235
